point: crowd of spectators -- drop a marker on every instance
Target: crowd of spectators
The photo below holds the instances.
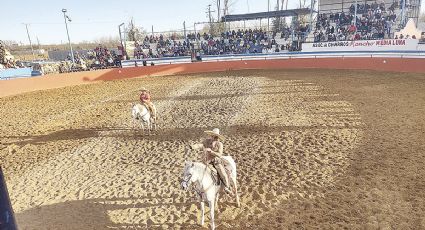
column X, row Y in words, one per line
column 164, row 47
column 230, row 42
column 4, row 61
column 99, row 57
column 237, row 42
column 373, row 21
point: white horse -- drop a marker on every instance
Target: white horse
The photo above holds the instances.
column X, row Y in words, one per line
column 141, row 112
column 207, row 190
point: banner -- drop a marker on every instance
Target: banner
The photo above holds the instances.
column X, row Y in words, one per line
column 362, row 45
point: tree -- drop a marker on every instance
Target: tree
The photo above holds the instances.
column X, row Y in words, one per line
column 303, row 18
column 134, row 33
column 278, row 23
column 224, row 6
column 218, row 4
column 108, row 41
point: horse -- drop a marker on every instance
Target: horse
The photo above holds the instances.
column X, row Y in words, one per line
column 200, row 174
column 141, row 112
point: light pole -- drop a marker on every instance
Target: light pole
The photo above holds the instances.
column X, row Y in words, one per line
column 312, row 4
column 268, row 16
column 29, row 38
column 65, row 17
column 119, row 30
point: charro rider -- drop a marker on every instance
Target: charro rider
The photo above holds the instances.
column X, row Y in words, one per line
column 145, row 99
column 213, row 150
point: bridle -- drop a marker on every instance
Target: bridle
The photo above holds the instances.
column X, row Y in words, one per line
column 186, row 179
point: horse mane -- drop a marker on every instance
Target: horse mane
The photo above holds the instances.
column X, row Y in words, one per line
column 201, row 167
column 139, row 106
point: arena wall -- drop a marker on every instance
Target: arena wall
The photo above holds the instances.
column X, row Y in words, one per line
column 17, row 86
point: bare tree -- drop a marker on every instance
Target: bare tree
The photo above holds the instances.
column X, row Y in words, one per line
column 108, row 41
column 302, row 4
column 278, row 23
column 135, row 33
column 228, row 4
column 131, row 31
column 226, row 7
column 218, row 4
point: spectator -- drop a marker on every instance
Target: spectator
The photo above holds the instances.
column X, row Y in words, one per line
column 372, row 22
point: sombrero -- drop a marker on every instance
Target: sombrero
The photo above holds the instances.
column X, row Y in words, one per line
column 215, row 133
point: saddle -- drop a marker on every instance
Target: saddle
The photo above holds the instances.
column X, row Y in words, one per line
column 149, row 108
column 214, row 175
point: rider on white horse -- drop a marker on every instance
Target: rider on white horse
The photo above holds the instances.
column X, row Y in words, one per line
column 145, row 99
column 213, row 152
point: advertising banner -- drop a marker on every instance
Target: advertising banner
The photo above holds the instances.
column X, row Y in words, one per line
column 362, row 45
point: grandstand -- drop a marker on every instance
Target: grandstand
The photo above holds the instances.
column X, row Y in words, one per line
column 411, row 10
column 334, row 20
column 340, row 20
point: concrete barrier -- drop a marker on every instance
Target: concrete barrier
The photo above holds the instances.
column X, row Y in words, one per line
column 394, row 64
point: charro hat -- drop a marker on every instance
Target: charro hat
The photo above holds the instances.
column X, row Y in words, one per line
column 215, row 133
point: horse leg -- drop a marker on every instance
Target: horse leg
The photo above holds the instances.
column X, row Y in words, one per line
column 149, row 124
column 212, row 213
column 236, row 192
column 202, row 213
column 216, row 201
column 154, row 124
column 134, row 124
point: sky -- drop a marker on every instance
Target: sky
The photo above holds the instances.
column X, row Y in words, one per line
column 92, row 20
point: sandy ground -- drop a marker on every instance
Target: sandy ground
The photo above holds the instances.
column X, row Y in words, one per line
column 314, row 148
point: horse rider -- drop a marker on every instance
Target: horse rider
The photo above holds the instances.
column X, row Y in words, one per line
column 213, row 150
column 145, row 99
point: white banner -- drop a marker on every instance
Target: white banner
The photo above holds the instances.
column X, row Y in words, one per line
column 362, row 45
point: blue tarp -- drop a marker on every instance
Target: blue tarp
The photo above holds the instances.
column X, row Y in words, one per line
column 15, row 73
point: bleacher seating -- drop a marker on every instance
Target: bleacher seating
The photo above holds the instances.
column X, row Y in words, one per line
column 372, row 21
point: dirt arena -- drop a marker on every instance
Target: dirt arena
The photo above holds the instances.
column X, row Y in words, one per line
column 315, row 149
